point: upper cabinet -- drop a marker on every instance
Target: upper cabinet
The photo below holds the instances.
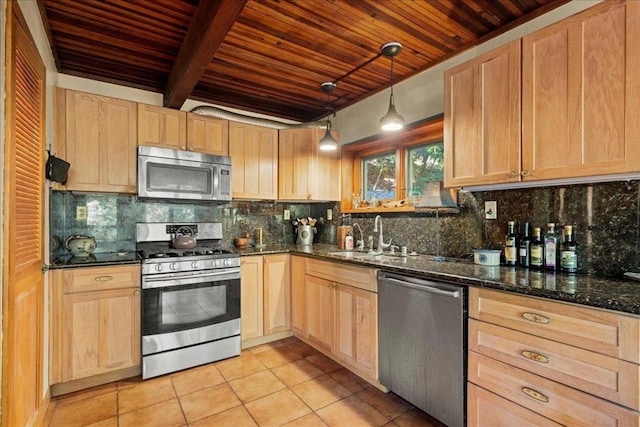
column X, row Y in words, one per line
column 179, row 130
column 305, row 172
column 97, row 136
column 207, row 135
column 482, row 119
column 581, row 94
column 162, row 127
column 580, row 90
column 254, row 155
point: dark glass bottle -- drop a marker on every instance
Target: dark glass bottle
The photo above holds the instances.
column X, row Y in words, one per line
column 536, row 251
column 525, row 242
column 511, row 245
column 551, row 248
column 569, row 251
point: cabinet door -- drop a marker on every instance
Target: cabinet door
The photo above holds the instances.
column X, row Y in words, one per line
column 97, row 135
column 101, row 332
column 277, row 294
column 207, row 135
column 320, row 312
column 482, row 119
column 357, row 328
column 251, row 296
column 298, row 297
column 162, row 127
column 581, row 94
column 328, row 170
column 254, row 154
column 295, row 164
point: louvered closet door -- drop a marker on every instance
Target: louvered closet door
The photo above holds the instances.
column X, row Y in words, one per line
column 23, row 280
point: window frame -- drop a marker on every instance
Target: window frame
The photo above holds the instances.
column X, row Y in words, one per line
column 420, row 133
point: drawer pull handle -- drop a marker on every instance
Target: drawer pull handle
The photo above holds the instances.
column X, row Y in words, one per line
column 103, row 278
column 536, row 318
column 535, row 394
column 536, row 357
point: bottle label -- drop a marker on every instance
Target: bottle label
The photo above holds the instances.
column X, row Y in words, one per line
column 510, row 250
column 569, row 260
column 536, row 255
column 550, row 253
column 523, row 252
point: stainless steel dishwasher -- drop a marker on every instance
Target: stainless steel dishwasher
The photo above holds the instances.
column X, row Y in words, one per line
column 422, row 344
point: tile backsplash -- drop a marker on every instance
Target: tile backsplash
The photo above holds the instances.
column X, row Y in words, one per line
column 606, row 218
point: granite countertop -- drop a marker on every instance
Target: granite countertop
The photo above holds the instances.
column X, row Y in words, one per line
column 96, row 260
column 613, row 294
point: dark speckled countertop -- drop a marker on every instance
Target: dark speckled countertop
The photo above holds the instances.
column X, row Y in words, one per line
column 612, row 294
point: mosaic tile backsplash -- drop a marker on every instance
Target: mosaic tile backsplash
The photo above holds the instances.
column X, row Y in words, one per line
column 606, row 218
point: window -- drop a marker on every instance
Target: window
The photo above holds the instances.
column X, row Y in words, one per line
column 389, row 173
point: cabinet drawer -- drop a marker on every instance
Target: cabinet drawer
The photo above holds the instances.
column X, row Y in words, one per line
column 589, row 328
column 100, row 278
column 363, row 278
column 560, row 403
column 604, row 376
column 487, row 409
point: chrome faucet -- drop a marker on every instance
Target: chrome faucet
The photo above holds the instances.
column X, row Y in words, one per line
column 359, row 243
column 381, row 244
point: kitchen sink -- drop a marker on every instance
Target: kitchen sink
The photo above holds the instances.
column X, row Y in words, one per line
column 365, row 256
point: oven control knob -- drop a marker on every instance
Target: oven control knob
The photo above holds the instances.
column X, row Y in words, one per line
column 159, row 267
column 173, row 266
column 194, row 264
column 226, row 262
column 215, row 263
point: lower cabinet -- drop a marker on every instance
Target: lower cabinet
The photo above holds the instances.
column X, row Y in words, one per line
column 95, row 326
column 550, row 362
column 335, row 309
column 265, row 295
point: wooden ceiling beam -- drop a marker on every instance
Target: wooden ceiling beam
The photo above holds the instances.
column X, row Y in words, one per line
column 211, row 22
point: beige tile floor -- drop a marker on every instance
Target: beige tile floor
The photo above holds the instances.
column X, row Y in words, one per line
column 281, row 383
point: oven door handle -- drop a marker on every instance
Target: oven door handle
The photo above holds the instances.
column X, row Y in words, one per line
column 180, row 279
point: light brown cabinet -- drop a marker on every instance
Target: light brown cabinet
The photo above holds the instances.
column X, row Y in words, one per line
column 95, row 326
column 580, row 96
column 298, row 297
column 482, row 119
column 265, row 295
column 573, row 365
column 577, row 99
column 162, row 127
column 305, row 172
column 97, row 136
column 254, row 153
column 207, row 135
column 342, row 314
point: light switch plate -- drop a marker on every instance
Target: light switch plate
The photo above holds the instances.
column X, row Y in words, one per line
column 287, row 215
column 329, row 214
column 491, row 210
column 81, row 212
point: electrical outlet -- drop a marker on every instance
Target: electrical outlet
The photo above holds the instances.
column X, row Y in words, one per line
column 287, row 215
column 329, row 214
column 491, row 210
column 81, row 212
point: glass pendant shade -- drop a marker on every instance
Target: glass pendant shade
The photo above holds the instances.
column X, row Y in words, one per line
column 328, row 143
column 392, row 120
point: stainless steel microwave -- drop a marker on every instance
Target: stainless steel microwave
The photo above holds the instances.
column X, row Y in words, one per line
column 183, row 175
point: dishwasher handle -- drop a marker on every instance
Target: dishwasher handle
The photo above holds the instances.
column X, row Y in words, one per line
column 423, row 286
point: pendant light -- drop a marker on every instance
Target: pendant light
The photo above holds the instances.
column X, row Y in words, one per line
column 328, row 143
column 392, row 120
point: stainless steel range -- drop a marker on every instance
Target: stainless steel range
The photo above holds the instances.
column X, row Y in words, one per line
column 190, row 298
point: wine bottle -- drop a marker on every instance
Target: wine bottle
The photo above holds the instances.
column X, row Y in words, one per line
column 551, row 247
column 537, row 249
column 569, row 251
column 511, row 245
column 525, row 242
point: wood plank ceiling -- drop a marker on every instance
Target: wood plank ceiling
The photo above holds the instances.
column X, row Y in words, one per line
column 269, row 56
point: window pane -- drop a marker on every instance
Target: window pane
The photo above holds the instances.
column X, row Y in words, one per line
column 425, row 164
column 379, row 177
